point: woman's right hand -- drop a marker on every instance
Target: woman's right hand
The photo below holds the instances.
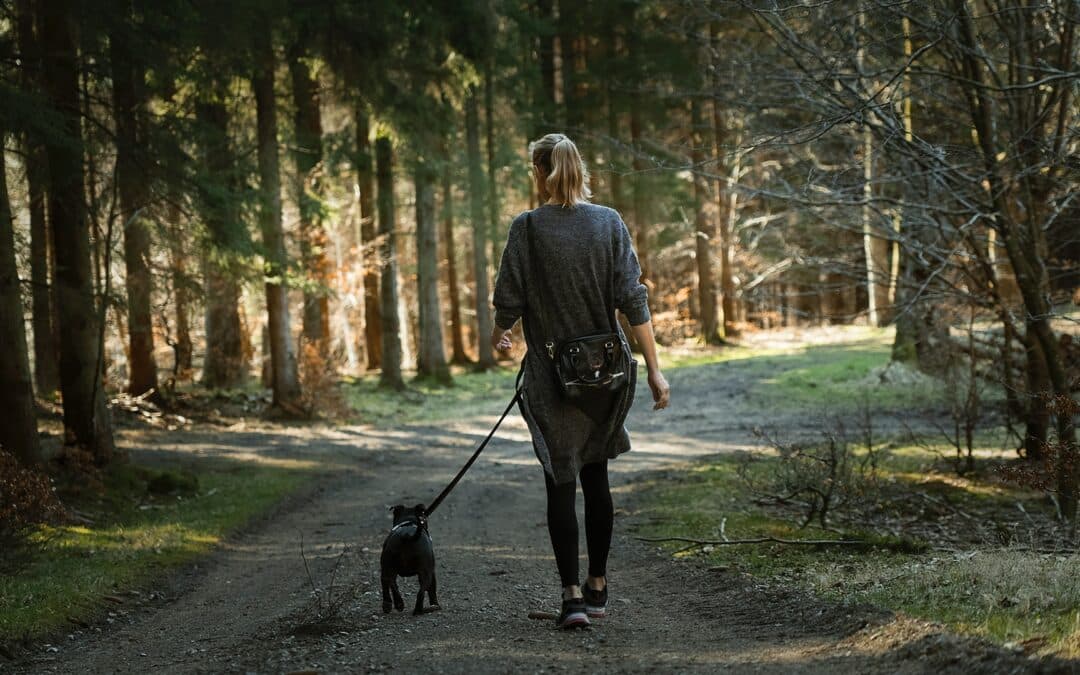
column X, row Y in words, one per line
column 661, row 392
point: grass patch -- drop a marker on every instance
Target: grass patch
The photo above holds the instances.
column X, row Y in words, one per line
column 425, row 401
column 143, row 522
column 841, row 378
column 1003, row 593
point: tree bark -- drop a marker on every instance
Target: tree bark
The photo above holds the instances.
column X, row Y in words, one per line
column 486, row 358
column 876, row 275
column 224, row 365
column 1024, row 256
column 18, row 433
column 129, row 103
column 431, row 359
column 1036, row 410
column 704, row 230
column 313, row 240
column 544, row 106
column 726, row 177
column 365, row 178
column 182, row 346
column 284, row 378
column 388, row 287
column 572, row 56
column 457, row 339
column 46, row 354
column 640, row 189
column 86, row 416
column 492, row 193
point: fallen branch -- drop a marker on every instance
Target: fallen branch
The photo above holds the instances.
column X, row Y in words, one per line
column 694, row 543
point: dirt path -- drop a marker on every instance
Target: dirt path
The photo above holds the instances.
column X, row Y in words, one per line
column 238, row 611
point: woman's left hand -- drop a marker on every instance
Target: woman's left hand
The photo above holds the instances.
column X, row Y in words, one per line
column 500, row 340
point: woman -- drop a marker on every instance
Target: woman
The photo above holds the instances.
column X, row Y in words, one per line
column 584, row 254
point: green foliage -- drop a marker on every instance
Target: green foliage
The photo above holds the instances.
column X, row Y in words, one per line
column 144, row 521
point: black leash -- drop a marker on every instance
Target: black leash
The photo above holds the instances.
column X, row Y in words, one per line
column 442, row 495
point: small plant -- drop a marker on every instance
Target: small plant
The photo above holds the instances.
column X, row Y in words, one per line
column 822, row 479
column 964, row 391
column 325, row 606
column 27, row 500
column 319, row 381
column 1057, row 473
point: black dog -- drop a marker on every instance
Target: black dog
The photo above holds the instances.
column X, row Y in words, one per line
column 408, row 552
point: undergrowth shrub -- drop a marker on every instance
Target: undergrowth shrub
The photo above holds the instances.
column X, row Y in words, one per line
column 820, row 479
column 27, row 500
column 1058, row 471
column 322, row 396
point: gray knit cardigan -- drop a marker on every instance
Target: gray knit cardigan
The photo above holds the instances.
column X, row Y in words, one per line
column 580, row 251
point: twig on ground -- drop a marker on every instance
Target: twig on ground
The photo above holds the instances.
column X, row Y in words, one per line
column 756, row 540
column 947, row 505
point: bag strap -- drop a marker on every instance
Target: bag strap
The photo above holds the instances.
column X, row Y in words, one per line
column 535, row 283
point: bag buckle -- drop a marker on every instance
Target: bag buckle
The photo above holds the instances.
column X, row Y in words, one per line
column 550, row 348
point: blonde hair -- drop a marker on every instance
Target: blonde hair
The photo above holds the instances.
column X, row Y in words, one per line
column 567, row 178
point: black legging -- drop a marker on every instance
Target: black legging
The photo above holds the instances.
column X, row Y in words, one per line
column 563, row 527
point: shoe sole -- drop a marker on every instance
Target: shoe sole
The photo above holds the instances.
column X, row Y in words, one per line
column 596, row 612
column 574, row 620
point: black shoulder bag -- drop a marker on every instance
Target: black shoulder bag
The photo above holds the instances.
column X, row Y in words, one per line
column 587, row 365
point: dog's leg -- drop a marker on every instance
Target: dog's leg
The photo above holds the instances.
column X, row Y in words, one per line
column 432, row 594
column 386, row 582
column 425, row 584
column 399, row 604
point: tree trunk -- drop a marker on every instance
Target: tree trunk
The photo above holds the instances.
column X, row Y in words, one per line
column 365, row 178
column 18, row 433
column 388, row 287
column 431, row 359
column 492, row 194
column 704, row 231
column 905, row 347
column 1037, row 412
column 612, row 103
column 131, row 174
column 876, row 274
column 486, row 358
column 457, row 339
column 727, row 176
column 182, row 346
column 313, row 240
column 641, row 197
column 1024, row 257
column 572, row 60
column 224, row 365
column 284, row 378
column 86, row 415
column 46, row 355
column 544, row 106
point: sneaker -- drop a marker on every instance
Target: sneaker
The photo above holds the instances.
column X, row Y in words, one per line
column 595, row 601
column 573, row 614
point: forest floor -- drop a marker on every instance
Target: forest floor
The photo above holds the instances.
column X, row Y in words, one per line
column 248, row 606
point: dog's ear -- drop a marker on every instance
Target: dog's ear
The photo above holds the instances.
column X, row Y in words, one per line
column 397, row 510
column 420, row 509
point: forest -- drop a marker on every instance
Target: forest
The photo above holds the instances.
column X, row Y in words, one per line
column 258, row 224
